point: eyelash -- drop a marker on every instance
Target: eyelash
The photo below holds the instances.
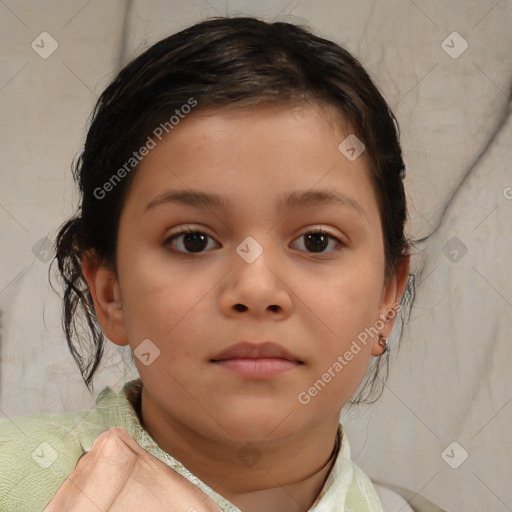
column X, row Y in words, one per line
column 185, row 231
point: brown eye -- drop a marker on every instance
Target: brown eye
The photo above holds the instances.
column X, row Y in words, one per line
column 318, row 241
column 191, row 241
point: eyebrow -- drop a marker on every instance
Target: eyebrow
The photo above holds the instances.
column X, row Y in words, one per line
column 297, row 199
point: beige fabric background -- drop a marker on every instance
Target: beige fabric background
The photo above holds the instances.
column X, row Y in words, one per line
column 450, row 381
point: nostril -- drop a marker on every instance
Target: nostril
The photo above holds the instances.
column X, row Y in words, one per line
column 240, row 307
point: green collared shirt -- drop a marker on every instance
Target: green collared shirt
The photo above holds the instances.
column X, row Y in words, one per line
column 38, row 453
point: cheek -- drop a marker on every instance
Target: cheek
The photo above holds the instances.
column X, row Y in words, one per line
column 348, row 300
column 161, row 301
column 346, row 305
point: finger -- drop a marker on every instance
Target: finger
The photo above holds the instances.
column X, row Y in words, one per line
column 154, row 486
column 128, row 440
column 99, row 476
column 153, row 480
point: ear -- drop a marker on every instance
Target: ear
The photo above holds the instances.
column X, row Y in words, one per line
column 391, row 296
column 105, row 292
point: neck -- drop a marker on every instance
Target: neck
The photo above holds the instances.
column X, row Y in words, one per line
column 284, row 475
column 292, row 497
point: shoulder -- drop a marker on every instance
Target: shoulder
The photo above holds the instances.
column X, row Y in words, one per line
column 37, row 453
column 362, row 494
column 353, row 483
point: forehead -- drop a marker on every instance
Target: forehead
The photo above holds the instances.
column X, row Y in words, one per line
column 255, row 155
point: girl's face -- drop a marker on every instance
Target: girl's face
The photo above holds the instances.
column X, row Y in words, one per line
column 253, row 184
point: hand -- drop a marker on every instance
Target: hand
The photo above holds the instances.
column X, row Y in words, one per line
column 118, row 475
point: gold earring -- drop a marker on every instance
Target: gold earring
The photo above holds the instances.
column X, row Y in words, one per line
column 383, row 342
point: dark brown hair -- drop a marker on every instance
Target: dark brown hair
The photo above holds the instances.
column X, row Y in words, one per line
column 221, row 62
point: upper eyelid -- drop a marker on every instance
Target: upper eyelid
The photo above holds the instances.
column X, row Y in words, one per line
column 319, row 229
column 190, row 228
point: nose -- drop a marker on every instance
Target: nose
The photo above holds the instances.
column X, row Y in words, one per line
column 258, row 288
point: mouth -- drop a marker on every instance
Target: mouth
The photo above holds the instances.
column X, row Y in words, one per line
column 256, row 361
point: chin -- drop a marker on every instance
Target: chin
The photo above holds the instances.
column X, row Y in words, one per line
column 262, row 426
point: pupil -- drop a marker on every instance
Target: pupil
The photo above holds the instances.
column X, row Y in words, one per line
column 315, row 238
column 198, row 241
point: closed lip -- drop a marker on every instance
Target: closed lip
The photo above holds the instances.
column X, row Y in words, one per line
column 246, row 350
